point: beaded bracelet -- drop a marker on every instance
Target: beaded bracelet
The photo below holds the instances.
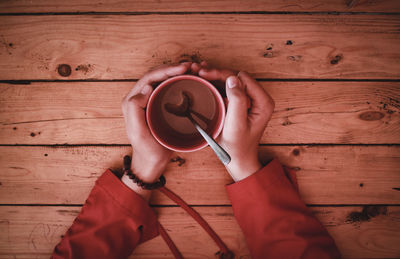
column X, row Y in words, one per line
column 139, row 182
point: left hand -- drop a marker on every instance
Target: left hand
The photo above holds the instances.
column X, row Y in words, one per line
column 249, row 109
column 149, row 158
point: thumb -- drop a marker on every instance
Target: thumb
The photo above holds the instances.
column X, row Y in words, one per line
column 134, row 113
column 236, row 116
column 140, row 99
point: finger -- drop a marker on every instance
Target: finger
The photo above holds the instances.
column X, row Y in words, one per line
column 216, row 74
column 204, row 64
column 236, row 116
column 164, row 73
column 262, row 103
column 141, row 99
column 158, row 75
column 134, row 112
column 217, row 77
column 195, row 68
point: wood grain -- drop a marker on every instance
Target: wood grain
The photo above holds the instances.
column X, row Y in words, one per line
column 326, row 174
column 305, row 112
column 22, row 6
column 124, row 47
column 350, row 188
column 35, row 231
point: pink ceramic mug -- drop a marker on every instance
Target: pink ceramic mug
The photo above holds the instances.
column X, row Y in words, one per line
column 178, row 133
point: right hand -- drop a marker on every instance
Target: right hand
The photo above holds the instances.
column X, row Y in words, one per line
column 243, row 126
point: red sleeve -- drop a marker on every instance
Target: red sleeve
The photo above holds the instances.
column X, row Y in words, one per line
column 113, row 221
column 274, row 220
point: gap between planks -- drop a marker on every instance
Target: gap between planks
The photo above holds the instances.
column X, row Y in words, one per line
column 192, row 6
column 199, row 205
column 198, row 13
column 134, row 80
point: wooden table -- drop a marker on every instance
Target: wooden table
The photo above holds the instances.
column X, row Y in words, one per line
column 333, row 68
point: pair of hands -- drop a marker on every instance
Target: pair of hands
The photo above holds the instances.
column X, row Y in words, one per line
column 240, row 136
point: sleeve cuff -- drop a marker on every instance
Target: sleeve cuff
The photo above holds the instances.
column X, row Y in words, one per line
column 270, row 175
column 130, row 202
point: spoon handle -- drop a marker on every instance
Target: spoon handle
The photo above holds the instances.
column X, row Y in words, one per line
column 219, row 151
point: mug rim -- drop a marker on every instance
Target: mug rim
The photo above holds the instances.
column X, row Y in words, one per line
column 211, row 87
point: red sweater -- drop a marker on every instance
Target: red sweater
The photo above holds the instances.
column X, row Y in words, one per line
column 273, row 218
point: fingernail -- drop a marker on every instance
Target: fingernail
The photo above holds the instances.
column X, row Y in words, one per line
column 232, row 81
column 241, row 73
column 146, row 89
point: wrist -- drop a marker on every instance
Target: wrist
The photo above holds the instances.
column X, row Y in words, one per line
column 136, row 188
column 148, row 170
column 243, row 169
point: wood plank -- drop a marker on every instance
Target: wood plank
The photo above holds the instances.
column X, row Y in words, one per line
column 326, row 174
column 26, row 6
column 35, row 231
column 124, row 47
column 306, row 112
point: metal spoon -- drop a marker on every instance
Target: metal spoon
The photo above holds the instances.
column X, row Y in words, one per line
column 184, row 110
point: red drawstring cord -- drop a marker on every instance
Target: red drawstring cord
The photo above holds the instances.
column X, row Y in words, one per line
column 169, row 242
column 225, row 252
